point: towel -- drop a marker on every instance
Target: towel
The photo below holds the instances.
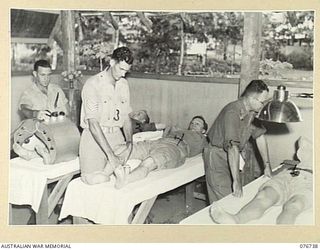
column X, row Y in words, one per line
column 148, row 135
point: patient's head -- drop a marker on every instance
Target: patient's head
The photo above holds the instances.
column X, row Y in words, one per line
column 305, row 152
column 198, row 124
column 140, row 115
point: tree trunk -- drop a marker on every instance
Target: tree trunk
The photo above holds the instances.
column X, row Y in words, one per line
column 233, row 59
column 250, row 49
column 117, row 35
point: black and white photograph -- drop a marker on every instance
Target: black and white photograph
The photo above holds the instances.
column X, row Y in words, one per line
column 122, row 117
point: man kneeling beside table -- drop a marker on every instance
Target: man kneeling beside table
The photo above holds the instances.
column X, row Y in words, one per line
column 168, row 152
column 143, row 184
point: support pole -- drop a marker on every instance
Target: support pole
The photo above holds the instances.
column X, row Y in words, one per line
column 68, row 35
column 250, row 49
column 182, row 49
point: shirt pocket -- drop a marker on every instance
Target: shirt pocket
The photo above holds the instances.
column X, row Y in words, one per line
column 106, row 109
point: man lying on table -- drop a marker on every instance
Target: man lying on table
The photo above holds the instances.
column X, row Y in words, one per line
column 291, row 189
column 141, row 122
column 170, row 151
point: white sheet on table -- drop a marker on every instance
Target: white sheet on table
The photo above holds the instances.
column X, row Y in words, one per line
column 28, row 179
column 233, row 204
column 104, row 204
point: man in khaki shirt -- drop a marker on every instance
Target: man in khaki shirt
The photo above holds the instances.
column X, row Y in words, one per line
column 104, row 111
column 229, row 136
column 43, row 97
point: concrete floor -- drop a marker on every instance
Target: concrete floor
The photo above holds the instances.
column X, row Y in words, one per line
column 169, row 208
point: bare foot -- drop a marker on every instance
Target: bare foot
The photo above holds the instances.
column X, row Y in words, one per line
column 121, row 177
column 220, row 216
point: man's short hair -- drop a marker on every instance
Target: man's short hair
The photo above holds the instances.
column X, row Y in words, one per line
column 146, row 116
column 41, row 63
column 205, row 124
column 255, row 86
column 123, row 54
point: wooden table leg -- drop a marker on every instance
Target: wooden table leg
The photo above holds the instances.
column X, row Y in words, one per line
column 189, row 197
column 10, row 214
column 49, row 201
column 42, row 215
column 143, row 211
column 57, row 193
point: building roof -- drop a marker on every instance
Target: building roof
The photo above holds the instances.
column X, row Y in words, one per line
column 30, row 25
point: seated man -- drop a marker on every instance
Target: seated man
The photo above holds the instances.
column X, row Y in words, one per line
column 164, row 153
column 43, row 98
column 291, row 189
column 141, row 122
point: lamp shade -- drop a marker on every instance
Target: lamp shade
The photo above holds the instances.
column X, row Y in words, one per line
column 280, row 109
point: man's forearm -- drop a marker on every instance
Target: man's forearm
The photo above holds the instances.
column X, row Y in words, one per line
column 99, row 137
column 233, row 158
column 127, row 129
column 263, row 149
column 264, row 152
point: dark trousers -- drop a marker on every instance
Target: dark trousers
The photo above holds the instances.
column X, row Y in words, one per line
column 218, row 174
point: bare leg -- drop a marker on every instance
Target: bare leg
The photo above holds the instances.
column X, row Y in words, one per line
column 220, row 216
column 123, row 178
column 263, row 200
column 291, row 209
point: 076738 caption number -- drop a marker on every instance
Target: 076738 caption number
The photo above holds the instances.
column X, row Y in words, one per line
column 304, row 245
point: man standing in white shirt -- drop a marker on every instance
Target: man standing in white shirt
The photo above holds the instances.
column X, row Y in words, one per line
column 105, row 110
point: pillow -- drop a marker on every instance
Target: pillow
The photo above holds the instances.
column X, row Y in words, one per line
column 148, row 135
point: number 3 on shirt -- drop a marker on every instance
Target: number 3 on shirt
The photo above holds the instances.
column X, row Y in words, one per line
column 117, row 116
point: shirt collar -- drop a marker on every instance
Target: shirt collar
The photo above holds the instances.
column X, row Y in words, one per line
column 243, row 110
column 36, row 88
column 104, row 76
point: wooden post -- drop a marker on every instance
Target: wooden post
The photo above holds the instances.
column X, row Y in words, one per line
column 68, row 36
column 181, row 44
column 250, row 49
column 108, row 16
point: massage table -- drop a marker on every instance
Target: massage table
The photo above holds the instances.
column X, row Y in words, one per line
column 103, row 204
column 233, row 204
column 29, row 181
